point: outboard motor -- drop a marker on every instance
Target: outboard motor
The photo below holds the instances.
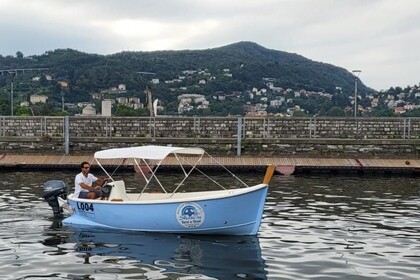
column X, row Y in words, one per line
column 106, row 191
column 54, row 189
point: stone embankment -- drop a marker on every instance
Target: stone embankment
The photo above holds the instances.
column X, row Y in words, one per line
column 233, row 137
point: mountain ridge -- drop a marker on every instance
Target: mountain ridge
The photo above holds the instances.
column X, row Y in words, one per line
column 248, row 66
column 290, row 69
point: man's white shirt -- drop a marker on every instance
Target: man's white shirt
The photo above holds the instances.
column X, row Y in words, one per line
column 80, row 178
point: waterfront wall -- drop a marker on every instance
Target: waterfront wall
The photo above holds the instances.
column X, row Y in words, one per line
column 272, row 136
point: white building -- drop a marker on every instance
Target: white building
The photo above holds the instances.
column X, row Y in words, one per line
column 276, row 103
column 38, row 99
column 122, row 100
column 106, row 108
column 89, row 110
column 96, row 96
column 134, row 100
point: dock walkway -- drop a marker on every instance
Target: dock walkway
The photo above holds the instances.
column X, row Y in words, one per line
column 284, row 165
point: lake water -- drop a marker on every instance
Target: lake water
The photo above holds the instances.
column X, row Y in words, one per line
column 314, row 227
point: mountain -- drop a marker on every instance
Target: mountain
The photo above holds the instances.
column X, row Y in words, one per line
column 289, row 69
column 247, row 64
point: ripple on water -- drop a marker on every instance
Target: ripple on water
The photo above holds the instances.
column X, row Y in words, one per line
column 317, row 227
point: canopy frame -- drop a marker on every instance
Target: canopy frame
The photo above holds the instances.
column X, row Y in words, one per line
column 147, row 154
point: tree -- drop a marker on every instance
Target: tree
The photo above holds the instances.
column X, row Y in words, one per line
column 124, row 111
column 299, row 114
column 22, row 111
column 19, row 54
column 4, row 108
column 365, row 102
column 382, row 112
column 335, row 112
column 412, row 113
column 43, row 81
column 237, row 110
column 341, row 100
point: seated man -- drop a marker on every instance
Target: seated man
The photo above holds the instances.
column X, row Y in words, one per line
column 83, row 183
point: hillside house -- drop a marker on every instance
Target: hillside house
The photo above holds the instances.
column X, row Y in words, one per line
column 134, row 100
column 63, row 84
column 96, row 96
column 399, row 110
column 34, row 99
column 122, row 100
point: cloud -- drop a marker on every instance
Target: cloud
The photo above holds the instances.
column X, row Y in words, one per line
column 377, row 36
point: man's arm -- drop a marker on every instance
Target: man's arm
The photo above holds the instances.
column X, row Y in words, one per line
column 101, row 181
column 89, row 188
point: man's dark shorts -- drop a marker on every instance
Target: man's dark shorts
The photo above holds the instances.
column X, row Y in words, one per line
column 84, row 194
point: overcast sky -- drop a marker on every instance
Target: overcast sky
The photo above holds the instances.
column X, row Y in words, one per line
column 379, row 37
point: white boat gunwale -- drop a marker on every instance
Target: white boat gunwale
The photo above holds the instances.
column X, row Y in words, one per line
column 178, row 198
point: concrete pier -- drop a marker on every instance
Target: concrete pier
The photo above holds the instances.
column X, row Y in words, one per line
column 245, row 163
column 292, row 144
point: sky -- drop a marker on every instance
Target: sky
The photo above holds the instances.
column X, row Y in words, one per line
column 379, row 37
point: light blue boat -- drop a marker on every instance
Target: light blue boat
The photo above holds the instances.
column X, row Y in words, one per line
column 229, row 211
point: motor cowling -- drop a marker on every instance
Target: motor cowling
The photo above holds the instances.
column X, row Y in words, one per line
column 54, row 189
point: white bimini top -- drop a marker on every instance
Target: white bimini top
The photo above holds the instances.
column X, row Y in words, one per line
column 146, row 152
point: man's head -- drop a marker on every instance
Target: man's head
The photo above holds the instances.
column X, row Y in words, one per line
column 85, row 166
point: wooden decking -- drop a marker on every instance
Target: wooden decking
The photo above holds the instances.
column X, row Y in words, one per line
column 35, row 161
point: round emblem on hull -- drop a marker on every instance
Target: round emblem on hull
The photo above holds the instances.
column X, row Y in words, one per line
column 190, row 215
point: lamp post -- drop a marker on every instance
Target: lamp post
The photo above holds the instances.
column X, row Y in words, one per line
column 62, row 100
column 11, row 97
column 356, row 74
column 11, row 73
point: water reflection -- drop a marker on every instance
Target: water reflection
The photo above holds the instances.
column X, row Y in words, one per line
column 158, row 256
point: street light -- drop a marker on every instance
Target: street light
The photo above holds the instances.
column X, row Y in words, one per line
column 356, row 74
column 13, row 73
column 11, row 91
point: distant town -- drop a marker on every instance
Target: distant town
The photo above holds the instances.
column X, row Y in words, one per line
column 241, row 79
column 262, row 101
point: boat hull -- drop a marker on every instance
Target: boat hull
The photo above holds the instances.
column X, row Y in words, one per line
column 233, row 214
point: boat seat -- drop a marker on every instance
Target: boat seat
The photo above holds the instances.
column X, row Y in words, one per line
column 118, row 192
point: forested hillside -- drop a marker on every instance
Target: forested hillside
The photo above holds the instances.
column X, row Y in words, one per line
column 242, row 74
